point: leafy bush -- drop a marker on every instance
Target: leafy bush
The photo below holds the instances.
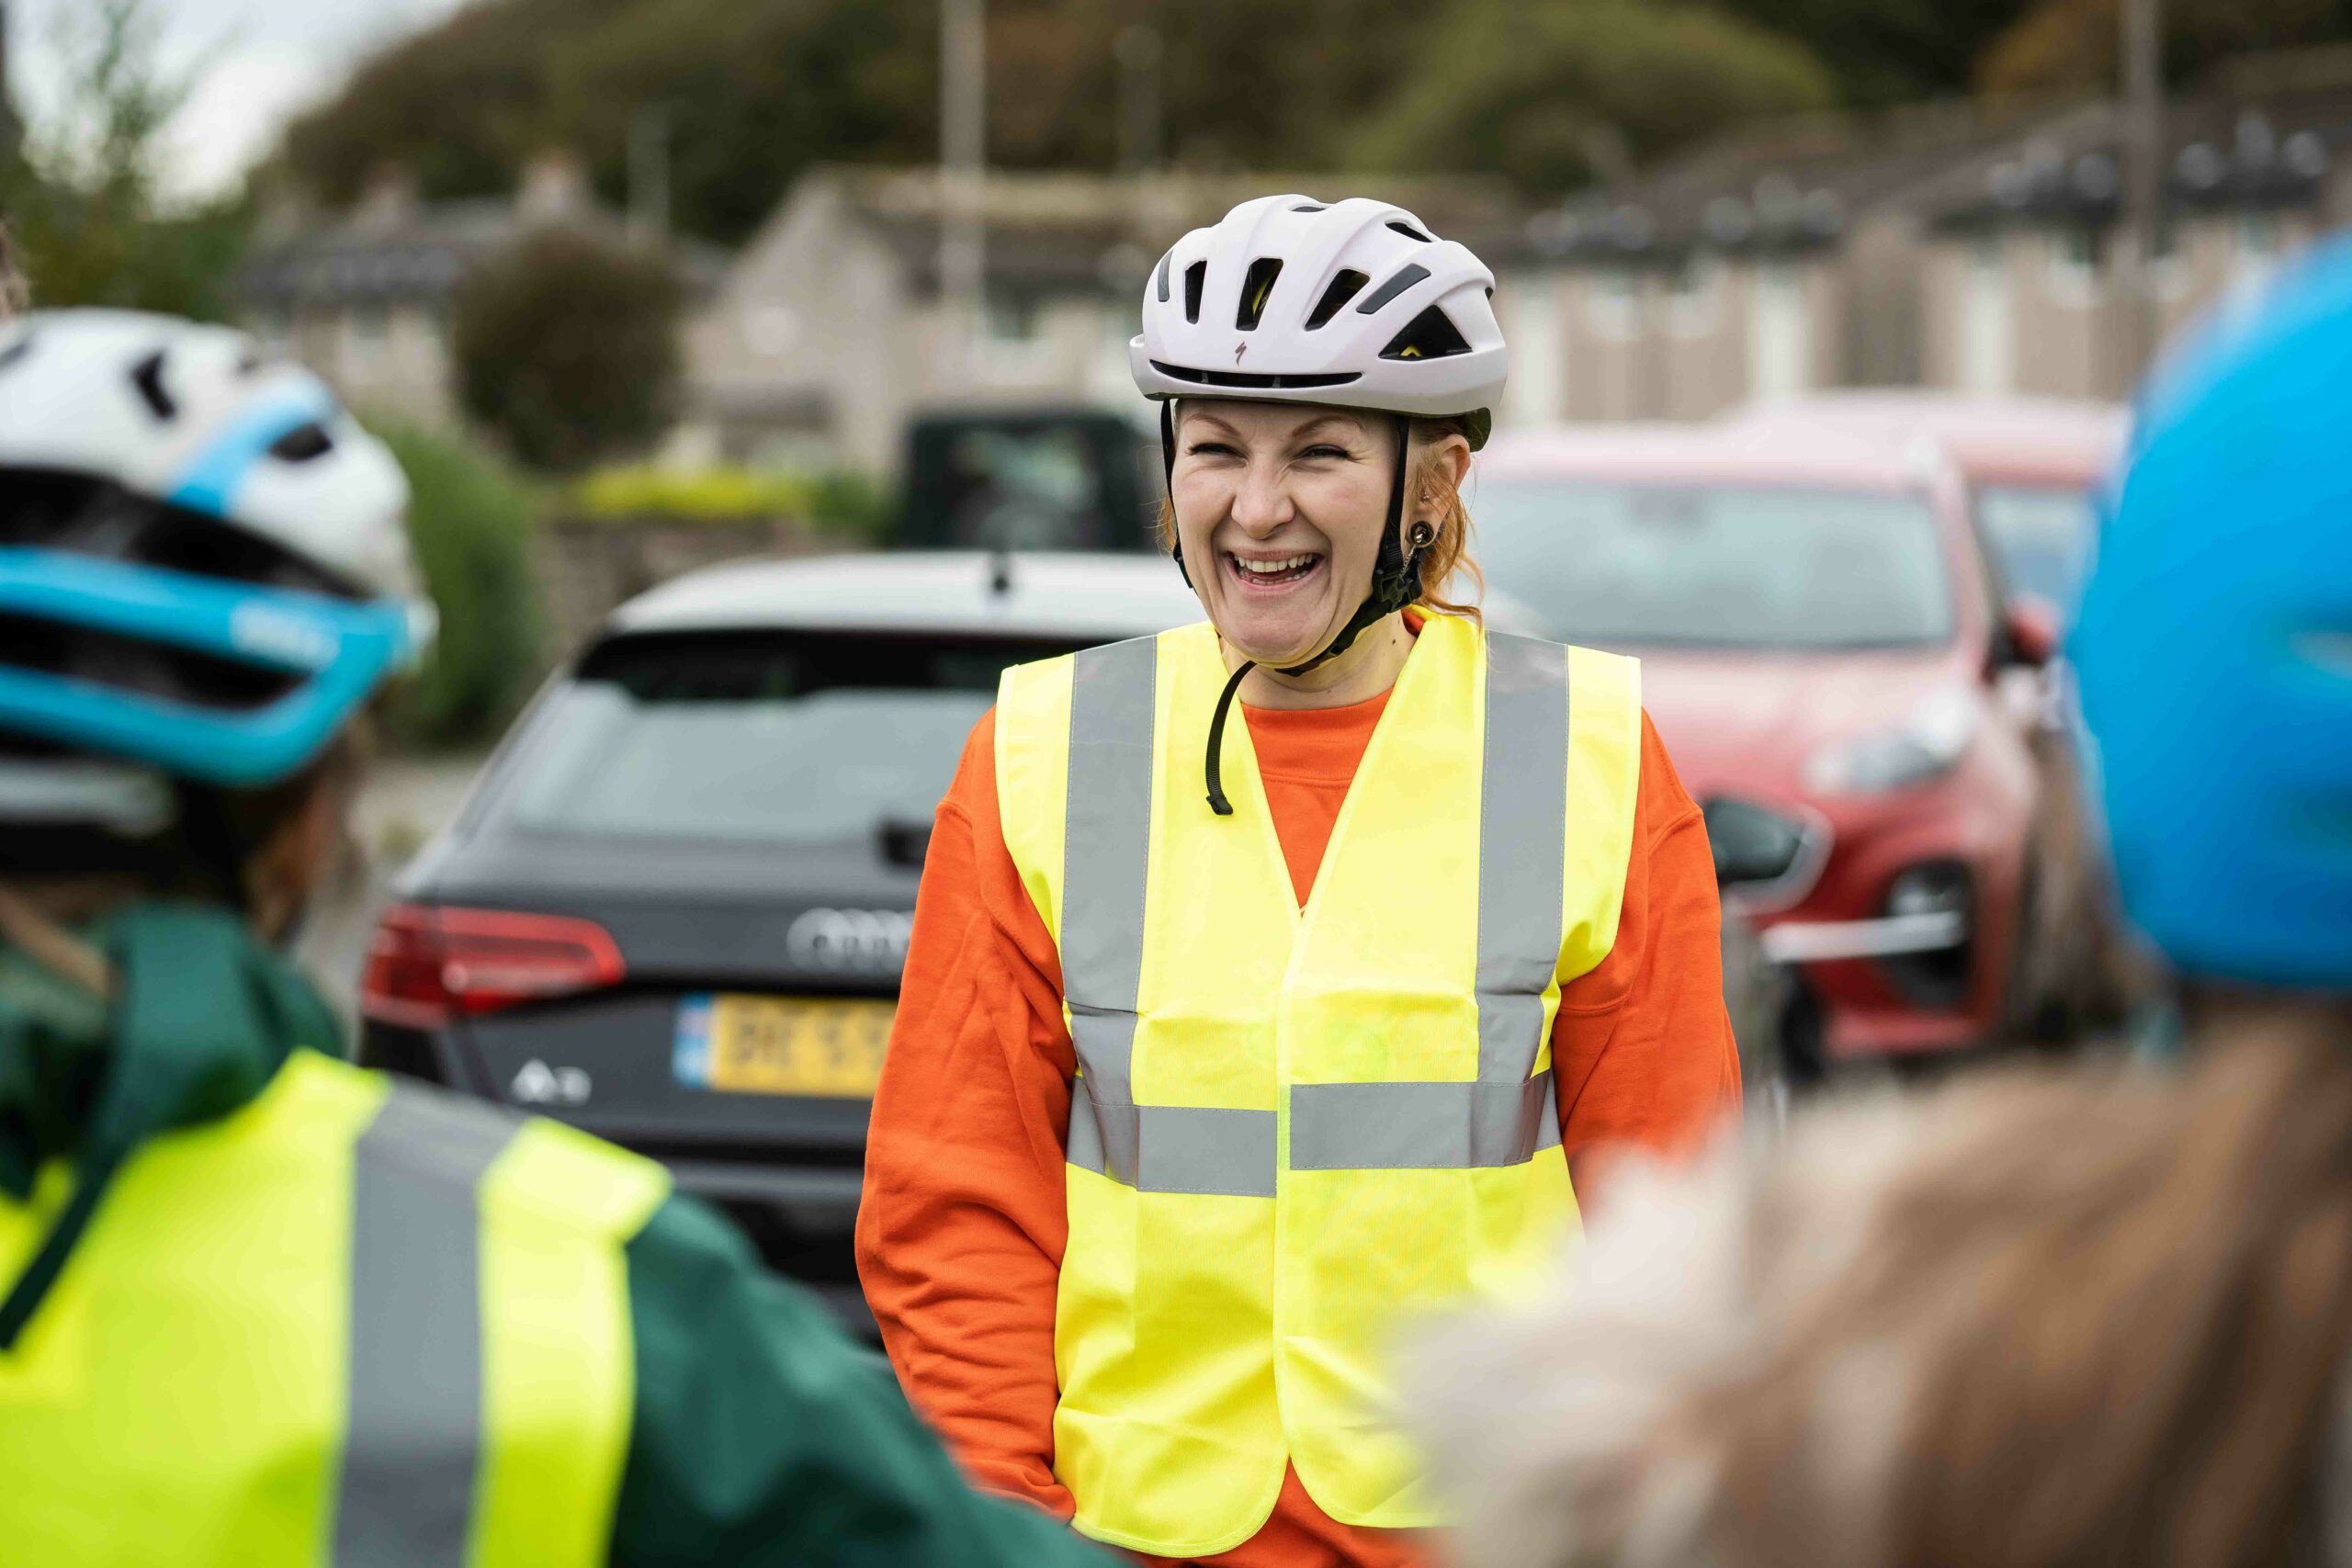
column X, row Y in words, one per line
column 567, row 347
column 697, row 495
column 837, row 501
column 471, row 520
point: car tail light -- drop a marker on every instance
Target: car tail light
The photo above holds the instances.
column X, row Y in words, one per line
column 429, row 965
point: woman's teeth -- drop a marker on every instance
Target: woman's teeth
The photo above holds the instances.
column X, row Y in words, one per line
column 1274, row 567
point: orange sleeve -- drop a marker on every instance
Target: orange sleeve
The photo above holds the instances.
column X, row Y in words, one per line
column 961, row 1230
column 1643, row 1046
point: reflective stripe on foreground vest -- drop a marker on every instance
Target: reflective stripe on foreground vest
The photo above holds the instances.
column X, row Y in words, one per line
column 1502, row 1119
column 414, row 1437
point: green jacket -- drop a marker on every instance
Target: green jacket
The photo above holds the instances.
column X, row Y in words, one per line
column 761, row 1433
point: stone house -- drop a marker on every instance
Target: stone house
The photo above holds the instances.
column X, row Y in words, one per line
column 831, row 331
column 365, row 297
column 2024, row 262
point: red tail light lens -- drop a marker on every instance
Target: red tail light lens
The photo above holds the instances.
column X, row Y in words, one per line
column 429, row 965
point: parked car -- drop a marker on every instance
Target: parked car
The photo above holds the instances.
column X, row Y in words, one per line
column 1049, row 477
column 2033, row 467
column 1826, row 654
column 674, row 908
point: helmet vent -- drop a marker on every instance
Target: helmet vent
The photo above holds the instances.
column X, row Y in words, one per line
column 1196, row 276
column 1345, row 287
column 1254, row 289
column 14, row 353
column 1163, row 275
column 1310, row 207
column 1429, row 336
column 1406, row 278
column 302, row 443
column 148, row 377
column 1411, row 233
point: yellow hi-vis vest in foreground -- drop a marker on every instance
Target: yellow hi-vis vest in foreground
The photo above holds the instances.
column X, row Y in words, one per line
column 1292, row 1130
column 348, row 1324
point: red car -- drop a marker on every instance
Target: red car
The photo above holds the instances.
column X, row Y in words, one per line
column 2032, row 465
column 1826, row 656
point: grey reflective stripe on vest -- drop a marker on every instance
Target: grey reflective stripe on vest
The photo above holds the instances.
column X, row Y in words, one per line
column 414, row 1430
column 1523, row 827
column 1421, row 1126
column 1504, row 1118
column 1173, row 1149
column 1106, row 845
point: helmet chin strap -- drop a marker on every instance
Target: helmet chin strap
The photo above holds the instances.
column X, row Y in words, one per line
column 1395, row 582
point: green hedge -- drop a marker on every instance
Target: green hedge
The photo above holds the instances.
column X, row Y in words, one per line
column 836, row 503
column 472, row 521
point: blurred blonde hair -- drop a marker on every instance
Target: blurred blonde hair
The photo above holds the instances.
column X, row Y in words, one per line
column 1449, row 553
column 2035, row 1322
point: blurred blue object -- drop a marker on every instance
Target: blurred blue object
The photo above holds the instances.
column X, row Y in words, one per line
column 2215, row 645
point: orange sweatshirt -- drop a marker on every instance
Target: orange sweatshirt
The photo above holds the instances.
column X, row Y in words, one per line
column 961, row 1233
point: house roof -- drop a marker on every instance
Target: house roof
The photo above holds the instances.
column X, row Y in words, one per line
column 2254, row 138
column 1792, row 186
column 1084, row 231
column 420, row 251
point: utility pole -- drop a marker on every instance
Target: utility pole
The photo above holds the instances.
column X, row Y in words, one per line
column 2143, row 216
column 963, row 154
column 648, row 175
column 1139, row 49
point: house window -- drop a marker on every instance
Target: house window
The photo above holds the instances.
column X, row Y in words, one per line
column 1780, row 332
column 1010, row 318
column 1694, row 296
column 1987, row 339
column 2077, row 265
column 1613, row 303
column 366, row 331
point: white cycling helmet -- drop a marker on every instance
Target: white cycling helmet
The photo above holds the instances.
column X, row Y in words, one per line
column 1353, row 304
column 204, row 563
column 1348, row 304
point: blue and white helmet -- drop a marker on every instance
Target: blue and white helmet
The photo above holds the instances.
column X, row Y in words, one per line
column 204, row 563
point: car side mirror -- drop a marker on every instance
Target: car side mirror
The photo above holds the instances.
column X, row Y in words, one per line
column 1752, row 845
column 2030, row 627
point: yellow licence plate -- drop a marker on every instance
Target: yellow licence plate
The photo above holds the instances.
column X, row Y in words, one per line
column 813, row 1046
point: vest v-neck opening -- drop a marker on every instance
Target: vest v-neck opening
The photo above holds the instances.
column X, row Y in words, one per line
column 1302, row 911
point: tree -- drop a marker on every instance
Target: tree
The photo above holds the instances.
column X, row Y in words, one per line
column 567, row 347
column 1528, row 90
column 756, row 91
column 2072, row 45
column 81, row 196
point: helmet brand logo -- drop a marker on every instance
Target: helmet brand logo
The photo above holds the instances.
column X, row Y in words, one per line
column 1238, row 350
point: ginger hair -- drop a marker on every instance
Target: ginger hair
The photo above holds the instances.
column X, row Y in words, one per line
column 1449, row 553
column 2037, row 1322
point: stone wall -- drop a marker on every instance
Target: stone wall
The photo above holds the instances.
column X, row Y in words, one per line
column 590, row 567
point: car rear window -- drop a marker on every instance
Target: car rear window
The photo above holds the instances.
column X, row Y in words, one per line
column 2043, row 534
column 761, row 738
column 1716, row 567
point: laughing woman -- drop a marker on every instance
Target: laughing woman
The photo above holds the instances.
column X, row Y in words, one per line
column 1225, row 1047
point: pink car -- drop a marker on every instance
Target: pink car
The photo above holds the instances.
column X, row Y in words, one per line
column 1826, row 654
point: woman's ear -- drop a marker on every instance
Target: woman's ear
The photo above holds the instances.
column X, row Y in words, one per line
column 1442, row 471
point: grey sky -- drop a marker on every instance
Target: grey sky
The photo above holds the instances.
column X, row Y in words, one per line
column 269, row 59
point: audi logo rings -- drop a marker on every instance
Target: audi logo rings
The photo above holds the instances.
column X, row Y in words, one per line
column 851, row 941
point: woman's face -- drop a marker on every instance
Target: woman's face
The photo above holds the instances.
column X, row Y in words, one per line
column 1279, row 509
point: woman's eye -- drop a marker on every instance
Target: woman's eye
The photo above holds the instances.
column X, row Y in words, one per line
column 1209, row 449
column 1325, row 450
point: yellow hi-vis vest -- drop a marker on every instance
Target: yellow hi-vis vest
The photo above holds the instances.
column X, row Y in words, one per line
column 1294, row 1129
column 350, row 1323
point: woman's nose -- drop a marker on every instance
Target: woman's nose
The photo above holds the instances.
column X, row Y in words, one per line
column 1263, row 503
